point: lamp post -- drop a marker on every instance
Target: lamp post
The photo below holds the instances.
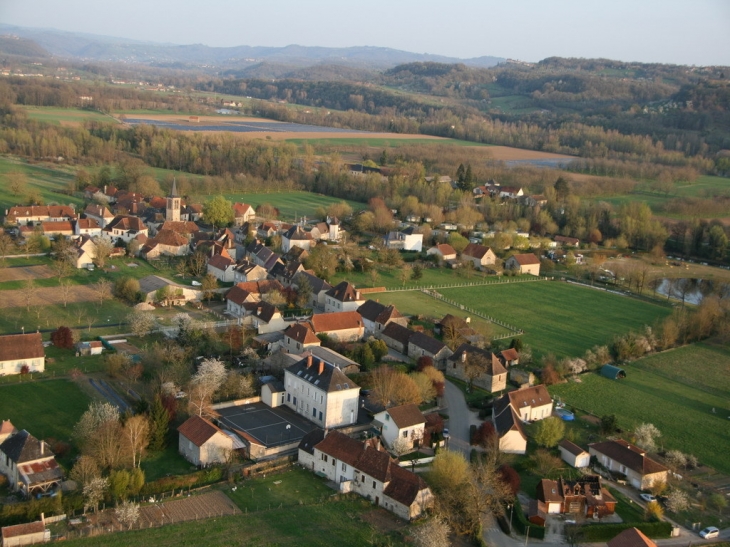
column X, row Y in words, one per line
column 527, row 535
column 511, row 509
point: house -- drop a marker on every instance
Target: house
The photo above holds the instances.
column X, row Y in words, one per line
column 29, row 464
column 345, row 364
column 319, row 287
column 343, row 297
column 57, row 228
column 396, row 337
column 87, row 227
column 202, row 443
column 21, row 350
column 622, row 457
column 377, row 316
column 243, row 213
column 33, row 214
column 420, row 344
column 479, row 255
column 567, row 241
column 507, row 424
column 267, row 318
column 193, row 212
column 443, row 252
column 176, row 293
column 573, row 454
column 405, row 240
column 125, row 227
column 452, row 327
column 165, row 243
column 321, row 392
column 401, row 422
column 584, row 496
column 285, row 273
column 101, row 214
column 298, row 337
column 631, row 537
column 524, row 263
column 239, row 300
column 345, row 326
column 510, row 357
column 94, row 347
column 296, row 237
column 478, row 366
column 222, row 267
column 29, row 533
column 511, row 192
column 531, row 404
column 85, row 248
column 363, row 468
column 246, row 270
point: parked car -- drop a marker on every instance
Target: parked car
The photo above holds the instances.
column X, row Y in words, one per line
column 710, row 532
column 647, row 497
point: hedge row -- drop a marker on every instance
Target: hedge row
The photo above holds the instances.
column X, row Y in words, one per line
column 520, row 523
column 591, row 533
column 167, row 484
column 29, row 511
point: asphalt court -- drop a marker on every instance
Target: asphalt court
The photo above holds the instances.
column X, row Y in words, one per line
column 267, row 425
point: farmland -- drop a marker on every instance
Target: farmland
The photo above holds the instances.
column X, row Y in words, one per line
column 293, row 204
column 676, row 391
column 65, row 116
column 561, row 318
column 47, row 180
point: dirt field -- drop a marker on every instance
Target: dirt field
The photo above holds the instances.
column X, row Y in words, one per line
column 506, row 153
column 46, row 296
column 26, row 272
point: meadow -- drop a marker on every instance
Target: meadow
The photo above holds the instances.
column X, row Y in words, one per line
column 49, row 180
column 381, row 142
column 560, row 318
column 683, row 392
column 65, row 116
column 292, row 204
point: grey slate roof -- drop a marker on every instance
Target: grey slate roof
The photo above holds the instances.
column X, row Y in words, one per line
column 330, row 379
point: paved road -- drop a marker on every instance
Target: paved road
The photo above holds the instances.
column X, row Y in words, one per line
column 460, row 418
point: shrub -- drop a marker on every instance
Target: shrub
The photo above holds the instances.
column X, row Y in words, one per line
column 593, row 533
column 62, row 337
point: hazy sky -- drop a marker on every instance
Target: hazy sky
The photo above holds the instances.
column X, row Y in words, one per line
column 669, row 31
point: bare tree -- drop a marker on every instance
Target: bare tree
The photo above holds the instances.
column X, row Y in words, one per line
column 434, row 533
column 136, row 434
column 64, row 288
column 84, row 470
column 5, row 245
column 102, row 251
column 103, row 290
column 475, row 365
column 17, row 182
column 29, row 291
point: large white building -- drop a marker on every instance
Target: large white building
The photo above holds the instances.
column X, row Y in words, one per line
column 321, row 392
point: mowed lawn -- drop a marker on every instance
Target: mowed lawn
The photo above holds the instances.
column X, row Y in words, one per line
column 676, row 391
column 336, row 523
column 45, row 408
column 560, row 318
column 49, row 181
column 293, row 204
column 65, row 116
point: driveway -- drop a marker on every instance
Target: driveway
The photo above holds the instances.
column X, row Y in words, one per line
column 460, row 418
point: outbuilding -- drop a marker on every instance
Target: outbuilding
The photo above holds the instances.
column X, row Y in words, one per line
column 612, row 372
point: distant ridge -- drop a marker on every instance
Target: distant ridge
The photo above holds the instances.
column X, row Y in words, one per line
column 90, row 47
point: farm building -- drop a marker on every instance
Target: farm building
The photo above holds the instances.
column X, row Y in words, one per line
column 524, row 264
column 622, row 457
column 612, row 372
column 202, row 443
column 574, row 454
column 20, row 350
column 29, row 533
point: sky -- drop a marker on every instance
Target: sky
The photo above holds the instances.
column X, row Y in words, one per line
column 690, row 32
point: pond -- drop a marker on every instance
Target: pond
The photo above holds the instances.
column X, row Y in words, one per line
column 689, row 290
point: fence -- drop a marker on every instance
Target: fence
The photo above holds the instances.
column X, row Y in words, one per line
column 496, row 281
column 442, row 298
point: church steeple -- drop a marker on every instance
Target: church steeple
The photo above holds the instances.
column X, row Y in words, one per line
column 172, row 211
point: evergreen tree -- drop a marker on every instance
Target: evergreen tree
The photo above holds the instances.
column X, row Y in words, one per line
column 159, row 422
column 460, row 173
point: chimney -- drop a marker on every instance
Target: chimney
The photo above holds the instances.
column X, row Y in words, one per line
column 357, row 295
column 105, row 188
column 463, row 356
column 309, row 360
column 43, row 519
column 321, row 366
column 42, row 447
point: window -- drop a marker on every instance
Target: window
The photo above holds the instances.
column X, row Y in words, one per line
column 344, row 466
column 362, row 479
column 288, row 397
column 314, row 412
column 387, row 416
column 299, row 346
column 320, row 415
column 324, row 457
column 334, row 462
column 373, row 484
column 405, row 434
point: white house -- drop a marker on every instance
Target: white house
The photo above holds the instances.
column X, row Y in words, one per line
column 242, row 213
column 267, row 318
column 29, row 464
column 531, row 403
column 203, row 443
column 125, row 227
column 321, row 392
column 479, row 255
column 524, row 263
column 443, row 252
column 377, row 316
column 298, row 337
column 239, row 301
column 273, row 393
column 573, row 454
column 507, row 424
column 363, row 468
column 296, row 236
column 401, row 422
column 346, row 326
column 405, row 240
column 222, row 267
column 343, row 297
column 640, row 470
column 19, row 350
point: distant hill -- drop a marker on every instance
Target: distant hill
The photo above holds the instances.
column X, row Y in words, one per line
column 89, row 47
column 21, row 47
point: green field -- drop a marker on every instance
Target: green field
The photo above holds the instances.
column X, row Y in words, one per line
column 65, row 116
column 46, row 409
column 382, row 142
column 560, row 318
column 389, row 278
column 295, row 487
column 416, row 303
column 292, row 204
column 41, row 177
column 676, row 391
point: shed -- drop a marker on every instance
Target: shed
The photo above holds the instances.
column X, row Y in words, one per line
column 612, row 372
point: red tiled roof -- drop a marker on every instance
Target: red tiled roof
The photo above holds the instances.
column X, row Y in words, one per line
column 526, row 259
column 19, row 530
column 406, row 415
column 55, row 227
column 530, row 397
column 446, row 249
column 629, row 455
column 344, row 292
column 87, row 223
column 180, row 226
column 302, row 333
column 510, row 354
column 475, row 250
column 237, row 295
column 197, row 430
column 631, row 537
column 220, row 262
column 329, row 322
column 21, row 346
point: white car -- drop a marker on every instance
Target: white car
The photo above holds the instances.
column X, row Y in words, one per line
column 647, row 497
column 710, row 532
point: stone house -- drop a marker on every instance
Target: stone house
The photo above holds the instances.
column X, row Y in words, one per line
column 346, row 326
column 343, row 297
column 202, row 443
column 377, row 316
column 479, row 255
column 468, row 360
column 29, row 464
column 421, row 344
column 524, row 263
